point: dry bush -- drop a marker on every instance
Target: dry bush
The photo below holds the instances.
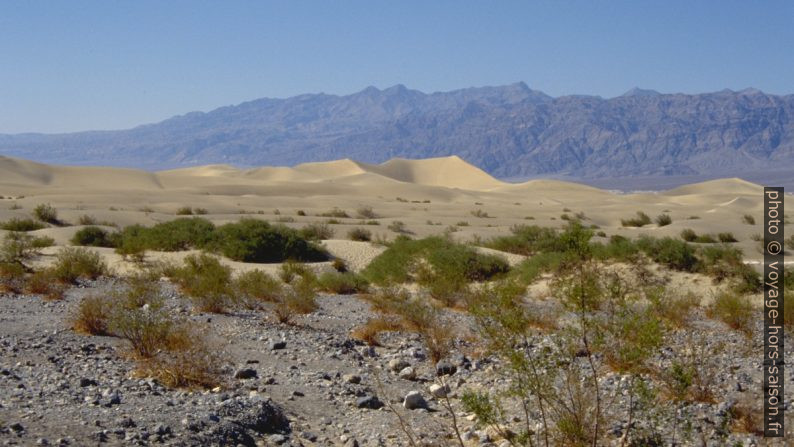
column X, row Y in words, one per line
column 197, row 367
column 74, row 262
column 298, row 299
column 676, row 310
column 735, row 310
column 366, row 212
column 747, row 417
column 12, row 277
column 359, row 234
column 369, row 331
column 45, row 283
column 92, row 315
column 207, row 282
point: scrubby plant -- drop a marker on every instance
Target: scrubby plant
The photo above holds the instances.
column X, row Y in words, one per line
column 317, row 231
column 336, row 213
column 21, row 224
column 748, row 219
column 366, row 212
column 255, row 286
column 734, row 309
column 342, row 283
column 46, row 213
column 44, row 283
column 640, row 220
column 85, row 219
column 92, row 315
column 252, row 240
column 790, row 243
column 663, row 220
column 207, row 282
column 399, row 226
column 92, row 236
column 359, row 234
column 431, row 258
column 289, row 270
column 369, row 331
column 300, row 298
column 675, row 310
column 480, row 214
column 17, row 248
column 526, row 240
column 200, row 211
column 74, row 262
column 301, row 213
column 184, row 211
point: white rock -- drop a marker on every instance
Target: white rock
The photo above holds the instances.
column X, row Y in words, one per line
column 414, row 400
column 439, row 391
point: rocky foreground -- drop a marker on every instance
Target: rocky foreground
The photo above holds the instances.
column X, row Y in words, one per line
column 305, row 384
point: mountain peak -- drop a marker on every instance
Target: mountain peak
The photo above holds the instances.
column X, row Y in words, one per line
column 636, row 91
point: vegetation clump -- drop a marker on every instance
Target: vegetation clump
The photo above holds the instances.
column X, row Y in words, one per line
column 92, row 236
column 21, row 224
column 640, row 220
column 73, row 263
column 46, row 213
column 359, row 234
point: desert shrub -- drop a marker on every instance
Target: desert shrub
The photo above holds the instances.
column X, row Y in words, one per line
column 369, row 331
column 73, row 263
column 734, row 309
column 184, row 211
column 432, row 258
column 726, row 263
column 255, row 286
column 21, row 224
column 92, row 236
column 618, row 248
column 398, row 226
column 148, row 330
column 44, row 283
column 300, row 298
column 748, row 219
column 726, row 237
column 790, row 243
column 195, row 365
column 688, row 235
column 336, row 213
column 292, row 269
column 339, row 265
column 663, row 220
column 342, row 283
column 480, row 213
column 207, row 282
column 317, row 231
column 675, row 254
column 85, row 219
column 301, row 213
column 12, row 276
column 359, row 234
column 641, row 219
column 17, row 248
column 42, row 242
column 200, row 211
column 532, row 268
column 46, row 213
column 176, row 235
column 92, row 315
column 676, row 310
column 634, row 335
column 526, row 240
column 252, row 240
column 366, row 212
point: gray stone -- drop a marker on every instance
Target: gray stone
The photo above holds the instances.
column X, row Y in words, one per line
column 414, row 400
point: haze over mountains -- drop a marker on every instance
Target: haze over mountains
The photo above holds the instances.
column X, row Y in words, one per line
column 509, row 131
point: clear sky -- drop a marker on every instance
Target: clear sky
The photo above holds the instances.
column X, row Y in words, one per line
column 67, row 66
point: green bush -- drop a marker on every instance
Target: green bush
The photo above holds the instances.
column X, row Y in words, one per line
column 663, row 220
column 726, row 237
column 255, row 285
column 735, row 310
column 342, row 283
column 527, row 240
column 336, row 213
column 176, row 235
column 184, row 211
column 46, row 213
column 432, row 258
column 73, row 263
column 359, row 234
column 20, row 224
column 640, row 220
column 16, row 248
column 92, row 236
column 317, row 231
column 207, row 282
column 675, row 254
column 252, row 240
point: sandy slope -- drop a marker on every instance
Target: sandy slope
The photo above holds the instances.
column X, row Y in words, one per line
column 429, row 196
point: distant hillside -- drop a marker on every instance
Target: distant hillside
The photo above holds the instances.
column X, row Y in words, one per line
column 509, row 131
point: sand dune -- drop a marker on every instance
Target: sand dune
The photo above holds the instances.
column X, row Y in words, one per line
column 428, row 196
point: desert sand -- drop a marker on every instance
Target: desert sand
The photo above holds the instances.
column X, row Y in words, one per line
column 429, row 196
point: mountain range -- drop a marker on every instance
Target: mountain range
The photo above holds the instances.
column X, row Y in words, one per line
column 508, row 131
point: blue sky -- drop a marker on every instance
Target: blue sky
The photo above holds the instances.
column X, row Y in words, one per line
column 68, row 66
